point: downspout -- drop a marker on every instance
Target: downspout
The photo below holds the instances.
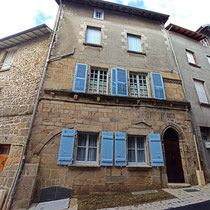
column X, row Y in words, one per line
column 184, row 89
column 9, row 203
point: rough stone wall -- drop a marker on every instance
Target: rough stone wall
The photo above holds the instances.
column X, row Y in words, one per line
column 18, row 89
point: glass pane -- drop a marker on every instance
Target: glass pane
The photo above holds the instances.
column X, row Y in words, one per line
column 131, row 155
column 81, row 154
column 92, row 154
column 131, row 142
column 93, row 140
column 82, row 140
column 140, row 143
column 141, row 156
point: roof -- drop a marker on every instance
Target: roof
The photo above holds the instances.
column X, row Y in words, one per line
column 186, row 32
column 24, row 36
column 122, row 8
column 204, row 29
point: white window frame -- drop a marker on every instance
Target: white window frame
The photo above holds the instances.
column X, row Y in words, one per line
column 10, row 54
column 138, row 85
column 98, row 11
column 201, row 92
column 86, row 34
column 128, row 47
column 86, row 162
column 191, row 57
column 98, row 79
column 145, row 152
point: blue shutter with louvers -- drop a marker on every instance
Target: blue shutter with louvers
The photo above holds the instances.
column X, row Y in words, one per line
column 107, row 149
column 120, row 149
column 80, row 78
column 158, row 86
column 119, row 85
column 156, row 154
column 65, row 155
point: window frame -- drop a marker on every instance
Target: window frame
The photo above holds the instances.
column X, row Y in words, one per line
column 131, row 50
column 208, row 58
column 98, row 80
column 86, row 162
column 99, row 11
column 86, row 31
column 136, row 149
column 138, row 85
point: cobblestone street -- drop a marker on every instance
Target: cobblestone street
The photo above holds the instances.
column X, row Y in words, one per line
column 196, row 195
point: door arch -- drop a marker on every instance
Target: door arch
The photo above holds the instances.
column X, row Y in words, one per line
column 175, row 171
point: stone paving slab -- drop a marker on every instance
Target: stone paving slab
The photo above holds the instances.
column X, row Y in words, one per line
column 183, row 198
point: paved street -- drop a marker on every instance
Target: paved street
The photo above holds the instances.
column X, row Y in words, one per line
column 197, row 195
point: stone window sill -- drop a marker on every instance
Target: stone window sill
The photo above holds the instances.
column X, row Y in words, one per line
column 134, row 52
column 84, row 166
column 205, row 104
column 136, row 167
column 5, row 69
column 195, row 65
column 92, row 45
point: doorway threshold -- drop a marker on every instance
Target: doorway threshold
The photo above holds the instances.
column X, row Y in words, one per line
column 178, row 185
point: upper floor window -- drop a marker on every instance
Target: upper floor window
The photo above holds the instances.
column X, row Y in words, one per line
column 136, row 150
column 93, row 35
column 134, row 43
column 87, row 145
column 138, row 85
column 205, row 133
column 191, row 57
column 8, row 60
column 199, row 86
column 208, row 57
column 98, row 82
column 98, row 14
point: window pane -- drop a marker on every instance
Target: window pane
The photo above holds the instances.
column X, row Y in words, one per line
column 133, row 85
column 134, row 43
column 190, row 57
column 93, row 35
column 141, row 156
column 92, row 154
column 93, row 140
column 82, row 140
column 81, row 154
column 140, row 142
column 131, row 155
column 143, row 92
column 131, row 142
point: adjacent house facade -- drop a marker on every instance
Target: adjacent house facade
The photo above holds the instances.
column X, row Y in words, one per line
column 192, row 53
column 22, row 57
column 112, row 114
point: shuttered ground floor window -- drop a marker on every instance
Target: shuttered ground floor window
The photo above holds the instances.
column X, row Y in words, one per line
column 87, row 147
column 137, row 150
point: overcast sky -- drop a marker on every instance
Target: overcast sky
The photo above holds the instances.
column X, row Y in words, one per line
column 19, row 15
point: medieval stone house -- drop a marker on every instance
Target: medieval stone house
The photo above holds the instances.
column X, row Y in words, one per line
column 22, row 57
column 112, row 114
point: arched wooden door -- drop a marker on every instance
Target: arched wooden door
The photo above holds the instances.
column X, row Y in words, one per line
column 173, row 158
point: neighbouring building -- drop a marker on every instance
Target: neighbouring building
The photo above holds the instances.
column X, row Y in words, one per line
column 22, row 58
column 112, row 114
column 192, row 53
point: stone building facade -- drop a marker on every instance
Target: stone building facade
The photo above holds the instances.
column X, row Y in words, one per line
column 22, row 58
column 192, row 52
column 111, row 114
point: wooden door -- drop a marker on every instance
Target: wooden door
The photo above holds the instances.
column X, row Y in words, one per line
column 4, row 152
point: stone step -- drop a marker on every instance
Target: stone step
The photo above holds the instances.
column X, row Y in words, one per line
column 178, row 185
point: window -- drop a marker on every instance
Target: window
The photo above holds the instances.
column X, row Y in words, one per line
column 87, row 147
column 98, row 81
column 191, row 57
column 93, row 35
column 134, row 43
column 98, row 14
column 8, row 60
column 205, row 133
column 208, row 57
column 138, row 85
column 136, row 150
column 199, row 86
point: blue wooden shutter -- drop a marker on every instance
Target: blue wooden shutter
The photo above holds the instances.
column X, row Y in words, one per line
column 120, row 149
column 134, row 43
column 156, row 154
column 65, row 155
column 158, row 86
column 80, row 78
column 107, row 149
column 93, row 35
column 119, row 85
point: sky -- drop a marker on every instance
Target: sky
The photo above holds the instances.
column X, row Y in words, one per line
column 20, row 15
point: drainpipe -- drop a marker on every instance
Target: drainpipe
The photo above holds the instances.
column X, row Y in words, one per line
column 180, row 73
column 34, row 110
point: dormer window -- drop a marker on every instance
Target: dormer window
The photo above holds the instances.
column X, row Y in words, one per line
column 98, row 14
